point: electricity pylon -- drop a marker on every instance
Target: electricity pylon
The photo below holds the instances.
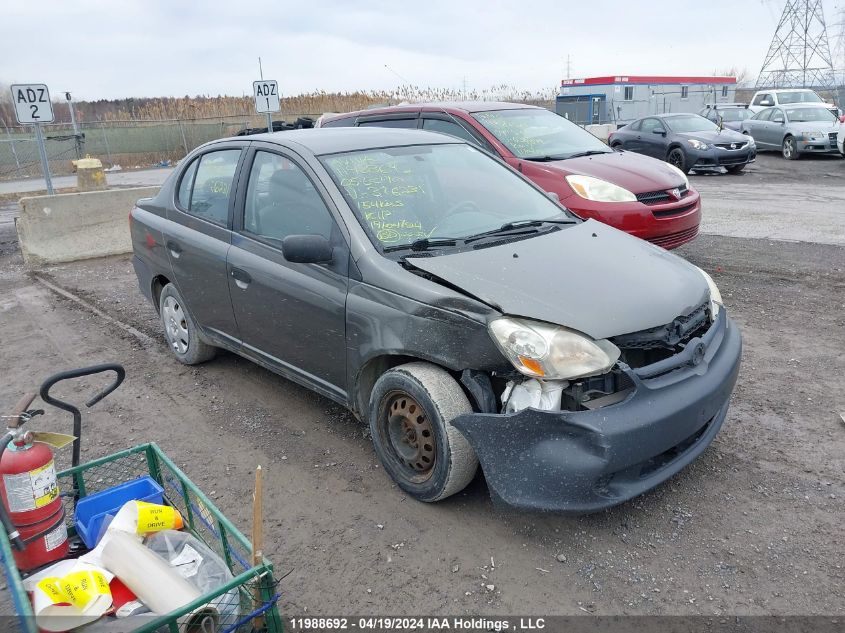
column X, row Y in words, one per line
column 799, row 55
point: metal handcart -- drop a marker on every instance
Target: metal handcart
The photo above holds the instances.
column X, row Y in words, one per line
column 246, row 603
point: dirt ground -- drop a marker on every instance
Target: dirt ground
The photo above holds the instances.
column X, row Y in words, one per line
column 755, row 526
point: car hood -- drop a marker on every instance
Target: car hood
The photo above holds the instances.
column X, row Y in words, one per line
column 810, row 126
column 724, row 136
column 634, row 172
column 589, row 277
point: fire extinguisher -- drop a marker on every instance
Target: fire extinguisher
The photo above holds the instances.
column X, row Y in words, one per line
column 32, row 510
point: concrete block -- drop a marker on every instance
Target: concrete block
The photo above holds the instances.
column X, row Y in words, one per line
column 72, row 226
column 601, row 130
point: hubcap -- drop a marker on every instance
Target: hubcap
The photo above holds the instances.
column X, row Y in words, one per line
column 411, row 436
column 787, row 148
column 175, row 325
column 675, row 159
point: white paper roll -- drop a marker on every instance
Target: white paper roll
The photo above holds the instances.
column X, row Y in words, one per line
column 147, row 575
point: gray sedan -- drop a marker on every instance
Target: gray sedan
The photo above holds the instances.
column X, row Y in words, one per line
column 794, row 130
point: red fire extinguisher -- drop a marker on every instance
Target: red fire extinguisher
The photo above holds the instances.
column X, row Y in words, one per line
column 32, row 510
column 30, row 495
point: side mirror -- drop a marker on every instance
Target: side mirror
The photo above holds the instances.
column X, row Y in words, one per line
column 553, row 196
column 661, row 132
column 767, row 102
column 307, row 249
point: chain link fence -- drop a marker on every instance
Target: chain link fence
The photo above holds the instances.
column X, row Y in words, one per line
column 130, row 143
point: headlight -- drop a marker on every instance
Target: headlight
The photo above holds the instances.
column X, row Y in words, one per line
column 552, row 352
column 697, row 144
column 599, row 190
column 716, row 303
column 679, row 173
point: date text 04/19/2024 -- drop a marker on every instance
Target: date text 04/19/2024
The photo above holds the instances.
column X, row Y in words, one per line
column 409, row 623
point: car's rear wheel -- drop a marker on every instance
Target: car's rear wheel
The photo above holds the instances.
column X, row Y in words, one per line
column 735, row 169
column 411, row 409
column 180, row 330
column 677, row 158
column 790, row 148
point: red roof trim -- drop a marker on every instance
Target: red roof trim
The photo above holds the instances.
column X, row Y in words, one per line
column 646, row 79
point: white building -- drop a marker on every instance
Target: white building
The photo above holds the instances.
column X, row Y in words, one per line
column 621, row 99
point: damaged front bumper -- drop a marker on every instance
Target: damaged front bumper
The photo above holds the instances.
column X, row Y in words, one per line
column 583, row 461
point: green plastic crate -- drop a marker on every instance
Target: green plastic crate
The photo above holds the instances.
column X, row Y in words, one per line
column 254, row 585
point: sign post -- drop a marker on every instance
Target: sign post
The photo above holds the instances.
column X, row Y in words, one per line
column 33, row 107
column 266, row 93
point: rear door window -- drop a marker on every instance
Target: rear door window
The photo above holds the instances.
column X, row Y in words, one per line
column 448, row 127
column 212, row 185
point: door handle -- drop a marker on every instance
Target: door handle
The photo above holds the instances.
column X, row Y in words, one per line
column 174, row 249
column 241, row 277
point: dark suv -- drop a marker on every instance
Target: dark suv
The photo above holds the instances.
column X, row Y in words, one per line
column 450, row 303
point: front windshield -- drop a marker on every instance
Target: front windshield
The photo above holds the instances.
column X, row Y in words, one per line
column 801, row 115
column 403, row 194
column 538, row 133
column 734, row 114
column 798, row 97
column 690, row 123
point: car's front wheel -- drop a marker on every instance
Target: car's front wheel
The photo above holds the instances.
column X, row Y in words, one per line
column 411, row 410
column 616, row 146
column 180, row 330
column 790, row 148
column 677, row 158
column 735, row 169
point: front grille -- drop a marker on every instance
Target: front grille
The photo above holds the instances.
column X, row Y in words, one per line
column 733, row 160
column 668, row 213
column 732, row 146
column 672, row 240
column 672, row 336
column 659, row 197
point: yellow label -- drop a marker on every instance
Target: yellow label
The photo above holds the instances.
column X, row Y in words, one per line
column 153, row 517
column 78, row 588
column 44, row 485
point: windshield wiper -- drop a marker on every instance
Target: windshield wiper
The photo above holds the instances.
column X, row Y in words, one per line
column 518, row 224
column 543, row 159
column 422, row 244
column 591, row 152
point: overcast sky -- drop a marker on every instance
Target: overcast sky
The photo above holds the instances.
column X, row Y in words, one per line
column 122, row 48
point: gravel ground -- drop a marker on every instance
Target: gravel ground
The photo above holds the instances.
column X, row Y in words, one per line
column 752, row 527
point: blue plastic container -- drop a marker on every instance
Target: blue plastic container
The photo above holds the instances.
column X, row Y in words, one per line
column 92, row 510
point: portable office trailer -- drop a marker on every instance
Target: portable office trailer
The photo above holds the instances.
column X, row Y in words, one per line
column 621, row 99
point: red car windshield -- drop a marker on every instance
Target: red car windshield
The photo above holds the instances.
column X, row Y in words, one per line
column 535, row 133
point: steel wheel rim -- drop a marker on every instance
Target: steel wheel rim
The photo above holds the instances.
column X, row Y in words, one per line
column 175, row 325
column 409, row 436
column 676, row 159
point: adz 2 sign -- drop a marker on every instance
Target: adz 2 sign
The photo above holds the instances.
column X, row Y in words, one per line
column 32, row 103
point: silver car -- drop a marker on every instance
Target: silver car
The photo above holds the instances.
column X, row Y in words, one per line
column 794, row 130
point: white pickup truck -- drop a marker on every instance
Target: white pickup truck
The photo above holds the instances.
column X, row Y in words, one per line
column 763, row 99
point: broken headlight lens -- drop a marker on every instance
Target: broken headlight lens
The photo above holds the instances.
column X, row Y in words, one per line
column 552, row 352
column 599, row 190
column 716, row 303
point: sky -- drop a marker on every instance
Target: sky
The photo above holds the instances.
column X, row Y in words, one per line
column 126, row 48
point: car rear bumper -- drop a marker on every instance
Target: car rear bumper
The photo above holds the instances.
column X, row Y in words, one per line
column 581, row 462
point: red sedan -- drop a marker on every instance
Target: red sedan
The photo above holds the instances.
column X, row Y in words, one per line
column 637, row 194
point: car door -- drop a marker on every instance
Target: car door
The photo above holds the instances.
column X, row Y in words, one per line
column 198, row 241
column 756, row 126
column 291, row 316
column 631, row 137
column 775, row 128
column 653, row 138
